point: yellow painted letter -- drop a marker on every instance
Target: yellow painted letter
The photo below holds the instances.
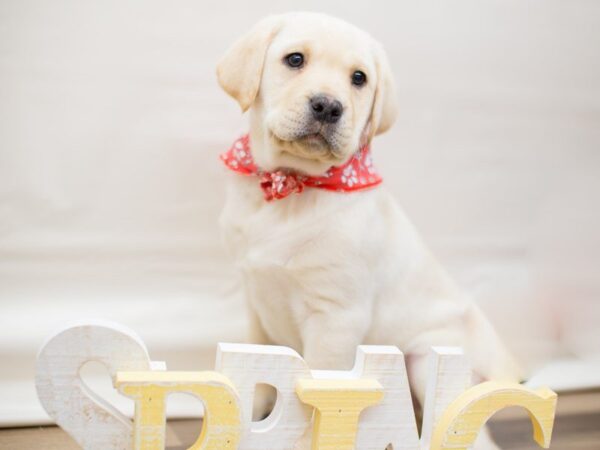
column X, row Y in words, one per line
column 221, row 428
column 458, row 427
column 338, row 404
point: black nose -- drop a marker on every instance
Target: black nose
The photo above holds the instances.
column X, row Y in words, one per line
column 326, row 109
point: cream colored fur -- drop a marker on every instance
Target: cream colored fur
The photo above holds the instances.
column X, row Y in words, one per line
column 324, row 271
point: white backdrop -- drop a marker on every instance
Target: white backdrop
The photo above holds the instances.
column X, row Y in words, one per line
column 111, row 121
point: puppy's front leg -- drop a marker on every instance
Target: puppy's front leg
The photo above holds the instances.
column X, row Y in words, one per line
column 256, row 331
column 330, row 338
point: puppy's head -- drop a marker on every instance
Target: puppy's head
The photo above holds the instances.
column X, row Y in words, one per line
column 317, row 88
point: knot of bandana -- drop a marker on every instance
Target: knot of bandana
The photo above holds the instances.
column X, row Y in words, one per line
column 279, row 184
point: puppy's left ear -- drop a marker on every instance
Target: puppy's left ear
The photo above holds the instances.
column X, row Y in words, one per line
column 239, row 72
column 385, row 104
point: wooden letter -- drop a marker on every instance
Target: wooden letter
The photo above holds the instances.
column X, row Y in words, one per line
column 221, row 428
column 247, row 365
column 90, row 420
column 338, row 404
column 392, row 421
column 459, row 425
column 449, row 375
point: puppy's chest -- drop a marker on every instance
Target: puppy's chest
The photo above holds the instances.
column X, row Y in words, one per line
column 261, row 233
column 258, row 232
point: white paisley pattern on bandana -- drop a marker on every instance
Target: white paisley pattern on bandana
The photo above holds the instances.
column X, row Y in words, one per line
column 356, row 174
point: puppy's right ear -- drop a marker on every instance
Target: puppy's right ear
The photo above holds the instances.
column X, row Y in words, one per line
column 239, row 72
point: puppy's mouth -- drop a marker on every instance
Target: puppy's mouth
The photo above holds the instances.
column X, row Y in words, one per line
column 310, row 144
column 314, row 140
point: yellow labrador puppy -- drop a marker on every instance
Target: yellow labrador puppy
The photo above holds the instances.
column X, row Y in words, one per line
column 325, row 271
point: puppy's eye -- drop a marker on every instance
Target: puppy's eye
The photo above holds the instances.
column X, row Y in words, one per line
column 295, row 60
column 359, row 78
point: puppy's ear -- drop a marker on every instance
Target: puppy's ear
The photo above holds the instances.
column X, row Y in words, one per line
column 239, row 72
column 385, row 104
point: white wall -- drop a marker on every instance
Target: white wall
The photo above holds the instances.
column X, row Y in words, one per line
column 111, row 122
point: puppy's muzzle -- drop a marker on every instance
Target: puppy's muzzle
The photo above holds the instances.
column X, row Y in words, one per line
column 326, row 109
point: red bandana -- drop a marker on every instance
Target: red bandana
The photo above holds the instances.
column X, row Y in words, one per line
column 357, row 174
